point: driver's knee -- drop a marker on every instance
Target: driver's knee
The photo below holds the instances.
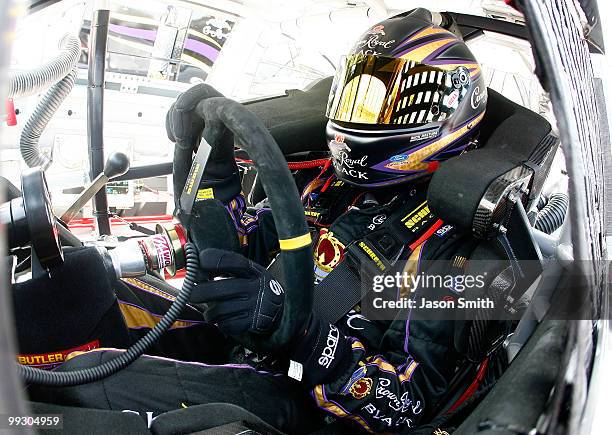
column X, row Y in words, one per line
column 143, row 301
column 156, row 385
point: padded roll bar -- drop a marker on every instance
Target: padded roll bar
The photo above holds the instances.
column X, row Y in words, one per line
column 95, row 112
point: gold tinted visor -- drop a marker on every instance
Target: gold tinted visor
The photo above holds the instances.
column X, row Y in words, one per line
column 371, row 89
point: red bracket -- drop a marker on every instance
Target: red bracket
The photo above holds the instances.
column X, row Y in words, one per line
column 11, row 116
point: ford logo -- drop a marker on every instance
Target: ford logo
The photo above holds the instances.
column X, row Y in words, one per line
column 399, row 158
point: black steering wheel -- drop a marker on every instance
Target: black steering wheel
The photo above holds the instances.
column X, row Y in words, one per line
column 225, row 119
column 222, row 118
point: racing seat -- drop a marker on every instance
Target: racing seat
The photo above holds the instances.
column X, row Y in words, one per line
column 515, row 158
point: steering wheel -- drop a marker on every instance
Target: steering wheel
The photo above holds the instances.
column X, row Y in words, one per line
column 224, row 118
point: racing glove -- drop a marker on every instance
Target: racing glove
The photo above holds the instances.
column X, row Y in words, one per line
column 320, row 354
column 184, row 127
column 241, row 297
column 220, row 181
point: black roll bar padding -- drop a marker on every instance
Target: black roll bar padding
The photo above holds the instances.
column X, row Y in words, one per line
column 224, row 119
column 95, row 112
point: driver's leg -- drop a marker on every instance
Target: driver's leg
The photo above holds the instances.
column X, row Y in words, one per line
column 144, row 300
column 156, row 385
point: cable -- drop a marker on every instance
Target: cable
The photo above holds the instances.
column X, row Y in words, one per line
column 92, row 374
column 294, row 166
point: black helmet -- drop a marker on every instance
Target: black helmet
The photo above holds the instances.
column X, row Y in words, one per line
column 409, row 95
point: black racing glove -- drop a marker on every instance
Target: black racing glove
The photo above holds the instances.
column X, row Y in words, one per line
column 210, row 224
column 184, row 126
column 319, row 354
column 249, row 300
column 241, row 297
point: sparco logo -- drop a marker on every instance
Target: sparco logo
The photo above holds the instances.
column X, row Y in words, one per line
column 276, row 288
column 163, row 249
column 478, row 97
column 329, row 352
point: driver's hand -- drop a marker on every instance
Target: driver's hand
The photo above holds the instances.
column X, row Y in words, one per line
column 185, row 126
column 241, row 297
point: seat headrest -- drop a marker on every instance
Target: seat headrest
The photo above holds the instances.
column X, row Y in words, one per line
column 517, row 151
column 296, row 120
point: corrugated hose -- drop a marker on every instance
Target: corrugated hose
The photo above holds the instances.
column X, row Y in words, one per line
column 22, row 84
column 42, row 114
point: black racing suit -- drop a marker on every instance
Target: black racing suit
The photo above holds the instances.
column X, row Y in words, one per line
column 393, row 375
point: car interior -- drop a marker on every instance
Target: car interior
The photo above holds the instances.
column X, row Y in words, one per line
column 503, row 196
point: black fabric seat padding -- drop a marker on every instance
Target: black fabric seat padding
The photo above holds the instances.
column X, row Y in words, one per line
column 511, row 135
column 521, row 394
column 90, row 421
column 200, row 418
column 296, row 121
column 76, row 307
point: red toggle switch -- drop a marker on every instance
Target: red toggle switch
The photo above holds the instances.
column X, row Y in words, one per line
column 11, row 118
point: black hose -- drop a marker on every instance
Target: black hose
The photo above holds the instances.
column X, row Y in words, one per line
column 552, row 215
column 92, row 374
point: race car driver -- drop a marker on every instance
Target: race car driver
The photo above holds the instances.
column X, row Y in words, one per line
column 409, row 95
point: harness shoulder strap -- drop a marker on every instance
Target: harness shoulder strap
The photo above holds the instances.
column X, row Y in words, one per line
column 376, row 253
column 337, row 294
